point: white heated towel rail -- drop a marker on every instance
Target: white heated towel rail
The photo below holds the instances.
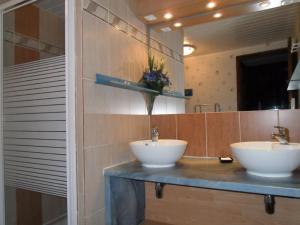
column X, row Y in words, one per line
column 34, row 110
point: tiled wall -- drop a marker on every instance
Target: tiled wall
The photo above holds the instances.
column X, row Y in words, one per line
column 196, row 206
column 30, row 38
column 213, row 77
column 114, row 43
column 210, row 134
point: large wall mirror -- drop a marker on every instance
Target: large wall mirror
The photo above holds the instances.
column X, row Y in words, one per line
column 240, row 55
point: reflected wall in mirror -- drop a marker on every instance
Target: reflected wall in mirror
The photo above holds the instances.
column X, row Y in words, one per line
column 244, row 62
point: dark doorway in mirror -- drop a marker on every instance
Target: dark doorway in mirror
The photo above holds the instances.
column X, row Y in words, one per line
column 262, row 80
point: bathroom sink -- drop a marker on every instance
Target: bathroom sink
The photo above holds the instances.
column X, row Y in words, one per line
column 267, row 159
column 163, row 153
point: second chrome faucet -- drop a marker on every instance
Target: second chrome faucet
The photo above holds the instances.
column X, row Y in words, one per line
column 282, row 136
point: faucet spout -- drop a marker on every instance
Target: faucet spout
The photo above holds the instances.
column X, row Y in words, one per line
column 282, row 136
column 154, row 134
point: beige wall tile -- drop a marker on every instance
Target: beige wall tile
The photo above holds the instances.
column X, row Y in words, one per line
column 139, row 127
column 94, row 98
column 120, row 153
column 119, row 8
column 96, row 46
column 97, row 218
column 258, row 125
column 96, row 160
column 90, row 128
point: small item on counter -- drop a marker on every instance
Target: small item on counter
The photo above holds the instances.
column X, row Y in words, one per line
column 226, row 159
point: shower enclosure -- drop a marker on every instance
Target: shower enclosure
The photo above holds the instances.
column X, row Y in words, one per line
column 34, row 112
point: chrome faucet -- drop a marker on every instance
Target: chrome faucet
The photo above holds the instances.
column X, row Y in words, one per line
column 154, row 134
column 217, row 107
column 200, row 106
column 282, row 135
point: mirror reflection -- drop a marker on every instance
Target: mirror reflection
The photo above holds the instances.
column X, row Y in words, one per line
column 242, row 63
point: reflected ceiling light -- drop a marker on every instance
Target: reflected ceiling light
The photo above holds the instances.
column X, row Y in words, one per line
column 150, row 17
column 211, row 5
column 177, row 24
column 188, row 49
column 165, row 29
column 287, row 2
column 264, row 4
column 218, row 15
column 168, row 16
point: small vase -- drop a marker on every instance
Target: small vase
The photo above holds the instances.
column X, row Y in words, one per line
column 150, row 102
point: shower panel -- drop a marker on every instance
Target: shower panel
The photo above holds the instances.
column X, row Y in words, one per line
column 34, row 126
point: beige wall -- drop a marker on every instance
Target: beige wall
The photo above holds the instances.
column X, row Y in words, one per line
column 213, row 77
column 107, row 117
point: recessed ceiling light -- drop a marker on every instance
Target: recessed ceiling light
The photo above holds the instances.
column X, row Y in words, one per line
column 166, row 29
column 168, row 16
column 264, row 4
column 218, row 15
column 211, row 5
column 177, row 24
column 150, row 17
column 188, row 49
column 287, row 2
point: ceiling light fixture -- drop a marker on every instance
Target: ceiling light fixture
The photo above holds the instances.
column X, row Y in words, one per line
column 287, row 2
column 168, row 16
column 211, row 5
column 150, row 17
column 165, row 29
column 218, row 15
column 188, row 49
column 264, row 4
column 177, row 24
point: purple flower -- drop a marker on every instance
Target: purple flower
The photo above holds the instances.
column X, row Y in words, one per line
column 154, row 78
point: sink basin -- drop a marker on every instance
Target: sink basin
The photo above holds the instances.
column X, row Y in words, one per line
column 267, row 159
column 163, row 153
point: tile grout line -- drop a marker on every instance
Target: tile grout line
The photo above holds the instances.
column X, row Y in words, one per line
column 83, row 126
column 240, row 129
column 176, row 124
column 206, row 139
column 278, row 120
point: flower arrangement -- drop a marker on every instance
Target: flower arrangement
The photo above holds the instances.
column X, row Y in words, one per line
column 154, row 77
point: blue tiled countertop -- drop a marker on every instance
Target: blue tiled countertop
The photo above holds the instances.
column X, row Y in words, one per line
column 209, row 173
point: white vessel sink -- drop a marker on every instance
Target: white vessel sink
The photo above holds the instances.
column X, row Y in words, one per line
column 267, row 159
column 163, row 153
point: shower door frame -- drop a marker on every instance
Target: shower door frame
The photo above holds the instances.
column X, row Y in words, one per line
column 70, row 29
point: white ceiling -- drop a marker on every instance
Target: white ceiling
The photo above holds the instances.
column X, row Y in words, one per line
column 56, row 7
column 251, row 29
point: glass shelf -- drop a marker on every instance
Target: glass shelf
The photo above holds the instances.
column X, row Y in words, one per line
column 125, row 84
